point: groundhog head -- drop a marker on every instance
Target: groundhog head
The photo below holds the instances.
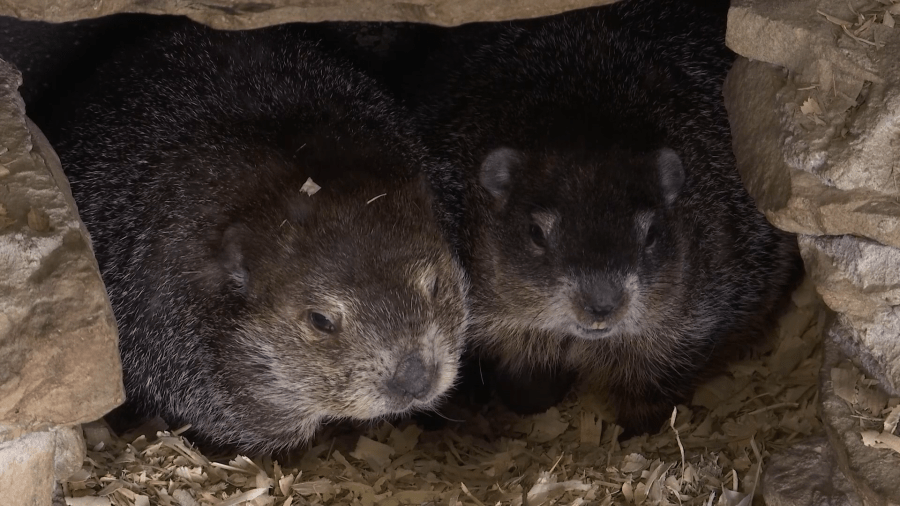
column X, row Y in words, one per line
column 354, row 308
column 585, row 242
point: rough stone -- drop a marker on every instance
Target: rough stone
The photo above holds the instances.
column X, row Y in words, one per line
column 807, row 474
column 27, row 469
column 860, row 279
column 796, row 36
column 816, row 143
column 59, row 362
column 227, row 14
column 873, row 472
column 873, row 345
column 31, row 464
column 855, row 276
column 70, row 452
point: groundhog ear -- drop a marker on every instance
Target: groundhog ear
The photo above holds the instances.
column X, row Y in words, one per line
column 671, row 174
column 496, row 171
column 232, row 256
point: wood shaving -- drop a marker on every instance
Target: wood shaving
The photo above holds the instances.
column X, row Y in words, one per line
column 711, row 453
column 38, row 220
column 866, row 29
column 309, row 187
column 811, row 106
column 871, row 405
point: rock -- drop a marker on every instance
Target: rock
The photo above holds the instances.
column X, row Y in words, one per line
column 873, row 346
column 795, row 36
column 817, row 148
column 757, row 98
column 230, row 15
column 70, row 452
column 860, row 279
column 855, row 276
column 807, row 474
column 873, row 472
column 59, row 361
column 26, row 469
column 31, row 464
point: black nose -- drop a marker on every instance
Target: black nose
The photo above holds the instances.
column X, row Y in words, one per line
column 411, row 378
column 600, row 299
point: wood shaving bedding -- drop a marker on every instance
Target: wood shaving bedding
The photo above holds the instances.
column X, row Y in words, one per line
column 711, row 453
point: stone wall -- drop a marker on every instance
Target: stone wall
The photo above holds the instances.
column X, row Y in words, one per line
column 814, row 104
column 227, row 14
column 59, row 361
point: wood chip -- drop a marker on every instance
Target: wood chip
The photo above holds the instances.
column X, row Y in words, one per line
column 309, row 187
column 710, row 452
column 38, row 220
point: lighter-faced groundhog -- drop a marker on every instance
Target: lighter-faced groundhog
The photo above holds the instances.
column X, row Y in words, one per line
column 606, row 230
column 250, row 305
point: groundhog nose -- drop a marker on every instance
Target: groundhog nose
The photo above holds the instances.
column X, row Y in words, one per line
column 411, row 378
column 601, row 299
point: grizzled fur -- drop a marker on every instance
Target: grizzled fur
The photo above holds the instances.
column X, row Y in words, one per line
column 606, row 230
column 246, row 307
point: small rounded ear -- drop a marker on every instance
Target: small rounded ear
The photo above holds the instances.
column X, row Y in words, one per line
column 232, row 255
column 671, row 174
column 496, row 169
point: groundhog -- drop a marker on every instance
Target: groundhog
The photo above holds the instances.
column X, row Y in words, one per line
column 604, row 225
column 266, row 236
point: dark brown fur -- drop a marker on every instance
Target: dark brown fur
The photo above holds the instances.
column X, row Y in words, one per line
column 605, row 228
column 247, row 307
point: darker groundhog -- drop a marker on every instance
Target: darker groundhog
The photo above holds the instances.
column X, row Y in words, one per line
column 249, row 305
column 607, row 232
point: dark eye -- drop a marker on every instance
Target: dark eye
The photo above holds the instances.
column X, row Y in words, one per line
column 321, row 322
column 653, row 234
column 537, row 235
column 435, row 286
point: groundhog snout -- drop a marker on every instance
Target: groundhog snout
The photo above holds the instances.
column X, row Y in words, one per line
column 412, row 378
column 597, row 303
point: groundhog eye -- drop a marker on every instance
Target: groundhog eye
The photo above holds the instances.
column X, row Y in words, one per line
column 653, row 234
column 537, row 236
column 321, row 322
column 435, row 286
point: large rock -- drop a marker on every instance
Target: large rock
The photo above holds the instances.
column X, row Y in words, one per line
column 807, row 474
column 817, row 149
column 860, row 279
column 31, row 464
column 241, row 15
column 873, row 472
column 59, row 361
column 814, row 105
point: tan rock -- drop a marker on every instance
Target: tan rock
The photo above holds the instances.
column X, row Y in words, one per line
column 854, row 276
column 32, row 463
column 59, row 362
column 26, row 469
column 69, row 454
column 873, row 345
column 873, row 472
column 807, row 474
column 816, row 145
column 795, row 35
column 784, row 161
column 227, row 14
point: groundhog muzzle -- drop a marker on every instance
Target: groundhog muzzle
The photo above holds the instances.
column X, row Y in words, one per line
column 252, row 304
